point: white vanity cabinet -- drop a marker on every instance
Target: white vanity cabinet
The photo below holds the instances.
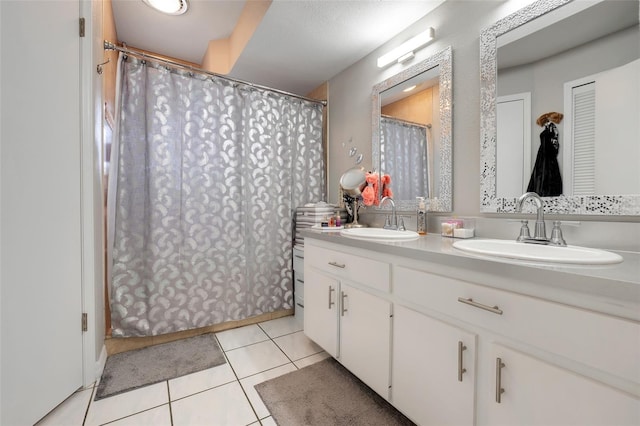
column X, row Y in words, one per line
column 321, row 311
column 536, row 392
column 536, row 362
column 471, row 343
column 347, row 311
column 433, row 369
column 298, row 283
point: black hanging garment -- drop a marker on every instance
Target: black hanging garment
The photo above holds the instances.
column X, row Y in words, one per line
column 546, row 180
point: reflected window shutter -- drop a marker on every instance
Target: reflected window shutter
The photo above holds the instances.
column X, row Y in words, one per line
column 584, row 137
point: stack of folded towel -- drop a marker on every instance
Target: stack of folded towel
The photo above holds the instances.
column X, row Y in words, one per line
column 312, row 214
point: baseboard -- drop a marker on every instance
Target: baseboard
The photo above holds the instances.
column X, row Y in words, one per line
column 100, row 363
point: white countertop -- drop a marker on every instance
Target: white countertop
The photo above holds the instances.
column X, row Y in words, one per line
column 612, row 289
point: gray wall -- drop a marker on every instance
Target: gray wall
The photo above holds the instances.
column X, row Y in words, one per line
column 458, row 24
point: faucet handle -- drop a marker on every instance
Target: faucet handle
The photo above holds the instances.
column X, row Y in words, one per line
column 401, row 226
column 524, row 231
column 556, row 235
column 387, row 222
column 568, row 222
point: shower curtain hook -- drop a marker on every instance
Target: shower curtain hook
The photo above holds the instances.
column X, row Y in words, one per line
column 99, row 67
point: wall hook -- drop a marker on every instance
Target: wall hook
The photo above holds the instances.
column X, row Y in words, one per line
column 99, row 67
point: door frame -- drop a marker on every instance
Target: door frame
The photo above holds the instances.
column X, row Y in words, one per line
column 524, row 99
column 92, row 118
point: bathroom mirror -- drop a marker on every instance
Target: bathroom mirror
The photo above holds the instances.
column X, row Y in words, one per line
column 411, row 132
column 579, row 58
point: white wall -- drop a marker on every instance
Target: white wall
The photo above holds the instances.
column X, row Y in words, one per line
column 456, row 23
column 545, row 78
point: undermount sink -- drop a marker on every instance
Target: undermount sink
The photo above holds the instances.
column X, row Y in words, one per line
column 379, row 234
column 539, row 253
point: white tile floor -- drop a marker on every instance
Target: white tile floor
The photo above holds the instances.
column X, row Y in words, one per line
column 223, row 395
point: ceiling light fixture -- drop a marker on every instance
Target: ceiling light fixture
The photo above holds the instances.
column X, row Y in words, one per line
column 410, row 88
column 405, row 51
column 170, row 7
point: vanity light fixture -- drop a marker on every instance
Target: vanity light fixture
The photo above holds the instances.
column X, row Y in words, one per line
column 405, row 51
column 405, row 58
column 170, row 7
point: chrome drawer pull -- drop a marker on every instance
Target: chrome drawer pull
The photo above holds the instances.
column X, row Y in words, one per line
column 337, row 265
column 499, row 390
column 331, row 290
column 470, row 301
column 344, row 296
column 461, row 369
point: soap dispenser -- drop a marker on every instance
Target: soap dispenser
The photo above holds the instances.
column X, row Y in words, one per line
column 421, row 226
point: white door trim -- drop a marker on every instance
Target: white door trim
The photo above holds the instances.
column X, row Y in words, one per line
column 94, row 353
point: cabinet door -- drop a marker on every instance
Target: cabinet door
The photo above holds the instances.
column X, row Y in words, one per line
column 539, row 393
column 365, row 336
column 321, row 310
column 433, row 370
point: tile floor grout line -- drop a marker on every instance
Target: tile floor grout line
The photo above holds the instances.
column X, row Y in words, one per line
column 275, row 337
column 86, row 411
column 278, row 346
column 170, row 407
column 277, row 329
column 246, row 346
column 238, row 381
column 131, row 415
column 212, row 387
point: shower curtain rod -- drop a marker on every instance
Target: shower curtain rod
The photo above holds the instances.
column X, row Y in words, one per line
column 111, row 46
column 428, row 125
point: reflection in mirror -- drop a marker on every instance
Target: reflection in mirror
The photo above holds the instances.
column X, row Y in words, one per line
column 405, row 154
column 581, row 60
column 411, row 132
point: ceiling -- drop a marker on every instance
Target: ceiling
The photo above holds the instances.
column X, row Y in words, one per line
column 298, row 45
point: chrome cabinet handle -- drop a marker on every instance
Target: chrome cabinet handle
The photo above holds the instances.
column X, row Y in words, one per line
column 499, row 390
column 338, row 265
column 344, row 296
column 331, row 290
column 493, row 309
column 461, row 369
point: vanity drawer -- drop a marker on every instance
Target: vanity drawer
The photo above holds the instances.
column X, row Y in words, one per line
column 570, row 332
column 369, row 272
column 298, row 263
column 298, row 286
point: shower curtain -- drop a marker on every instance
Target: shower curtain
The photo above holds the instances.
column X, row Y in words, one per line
column 404, row 155
column 206, row 175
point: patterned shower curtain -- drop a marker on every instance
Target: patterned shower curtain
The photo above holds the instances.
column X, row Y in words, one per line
column 404, row 155
column 206, row 175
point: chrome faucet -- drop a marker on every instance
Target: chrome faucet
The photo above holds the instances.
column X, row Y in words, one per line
column 540, row 233
column 393, row 223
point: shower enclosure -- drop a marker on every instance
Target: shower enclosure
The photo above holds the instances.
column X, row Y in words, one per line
column 206, row 175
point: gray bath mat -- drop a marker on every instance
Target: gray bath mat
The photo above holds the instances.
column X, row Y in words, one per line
column 326, row 393
column 134, row 369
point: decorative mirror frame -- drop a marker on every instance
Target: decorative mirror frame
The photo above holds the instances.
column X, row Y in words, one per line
column 443, row 60
column 489, row 201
